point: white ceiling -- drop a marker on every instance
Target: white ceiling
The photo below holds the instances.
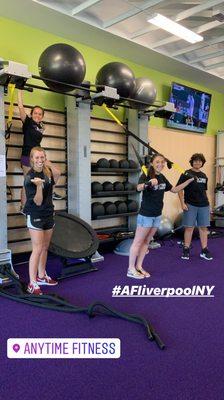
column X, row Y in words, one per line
column 126, row 20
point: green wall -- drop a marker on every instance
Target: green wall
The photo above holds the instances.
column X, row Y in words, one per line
column 24, row 44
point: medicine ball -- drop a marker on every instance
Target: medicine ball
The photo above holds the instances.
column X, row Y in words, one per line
column 132, row 205
column 124, row 164
column 116, row 75
column 97, row 209
column 110, row 208
column 107, row 186
column 121, row 207
column 128, row 186
column 96, row 187
column 145, row 91
column 103, row 163
column 62, row 62
column 132, row 164
column 114, row 163
column 118, row 186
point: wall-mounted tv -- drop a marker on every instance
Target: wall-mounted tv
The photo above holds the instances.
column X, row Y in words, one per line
column 192, row 108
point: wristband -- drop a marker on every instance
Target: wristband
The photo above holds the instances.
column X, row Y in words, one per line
column 147, row 186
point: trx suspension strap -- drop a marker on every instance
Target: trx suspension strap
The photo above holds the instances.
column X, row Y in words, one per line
column 170, row 164
column 143, row 166
column 11, row 91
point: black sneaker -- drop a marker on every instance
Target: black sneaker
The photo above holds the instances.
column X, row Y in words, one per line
column 205, row 253
column 186, row 253
column 56, row 196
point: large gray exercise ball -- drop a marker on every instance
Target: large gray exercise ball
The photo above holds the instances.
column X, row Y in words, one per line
column 116, row 75
column 63, row 63
column 145, row 91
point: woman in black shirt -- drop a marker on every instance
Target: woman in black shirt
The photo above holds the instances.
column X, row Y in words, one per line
column 33, row 130
column 39, row 210
column 153, row 186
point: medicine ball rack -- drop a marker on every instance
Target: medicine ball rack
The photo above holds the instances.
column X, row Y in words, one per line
column 116, row 215
column 113, row 193
column 113, row 172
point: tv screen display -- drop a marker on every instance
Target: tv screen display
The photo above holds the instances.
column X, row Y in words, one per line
column 192, row 108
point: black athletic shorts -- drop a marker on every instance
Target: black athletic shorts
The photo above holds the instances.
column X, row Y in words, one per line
column 40, row 224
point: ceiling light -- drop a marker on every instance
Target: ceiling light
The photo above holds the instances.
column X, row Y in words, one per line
column 174, row 28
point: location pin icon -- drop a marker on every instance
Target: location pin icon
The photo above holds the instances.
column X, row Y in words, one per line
column 16, row 347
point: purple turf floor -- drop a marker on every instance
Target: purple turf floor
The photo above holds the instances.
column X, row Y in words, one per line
column 190, row 368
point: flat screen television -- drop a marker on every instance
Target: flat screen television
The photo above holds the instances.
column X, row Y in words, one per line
column 192, row 108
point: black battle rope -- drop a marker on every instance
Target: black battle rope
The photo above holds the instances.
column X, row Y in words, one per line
column 16, row 290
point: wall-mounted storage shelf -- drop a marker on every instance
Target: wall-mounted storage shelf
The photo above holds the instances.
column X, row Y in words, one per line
column 94, row 168
column 113, row 193
column 115, row 215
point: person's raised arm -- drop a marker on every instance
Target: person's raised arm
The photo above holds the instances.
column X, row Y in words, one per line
column 22, row 112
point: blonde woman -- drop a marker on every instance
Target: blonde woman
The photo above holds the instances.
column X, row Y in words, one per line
column 39, row 209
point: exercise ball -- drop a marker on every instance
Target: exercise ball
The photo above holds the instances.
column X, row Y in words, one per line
column 97, row 210
column 103, row 163
column 145, row 91
column 114, row 163
column 63, row 63
column 166, row 227
column 121, row 207
column 110, row 208
column 116, row 75
column 108, row 186
column 118, row 186
column 96, row 187
column 123, row 248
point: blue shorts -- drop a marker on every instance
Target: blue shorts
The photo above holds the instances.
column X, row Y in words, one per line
column 196, row 216
column 148, row 222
